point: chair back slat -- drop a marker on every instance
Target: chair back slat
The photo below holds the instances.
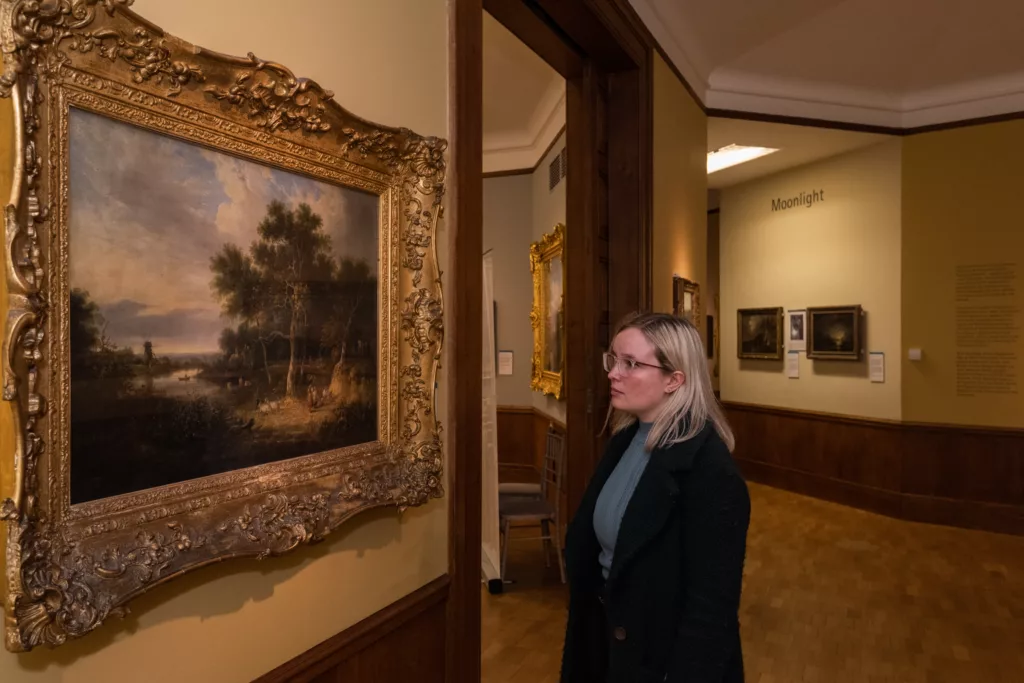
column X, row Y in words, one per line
column 554, row 464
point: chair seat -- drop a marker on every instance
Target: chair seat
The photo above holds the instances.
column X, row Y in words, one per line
column 512, row 488
column 520, row 509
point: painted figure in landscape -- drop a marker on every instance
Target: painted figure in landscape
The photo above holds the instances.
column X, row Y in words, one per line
column 223, row 314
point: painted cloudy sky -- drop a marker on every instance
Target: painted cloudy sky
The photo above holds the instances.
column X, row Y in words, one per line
column 148, row 212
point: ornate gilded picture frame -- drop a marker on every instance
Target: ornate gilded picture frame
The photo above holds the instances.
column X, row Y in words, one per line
column 224, row 313
column 547, row 265
column 686, row 299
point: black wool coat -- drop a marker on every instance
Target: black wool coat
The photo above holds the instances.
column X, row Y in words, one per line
column 669, row 609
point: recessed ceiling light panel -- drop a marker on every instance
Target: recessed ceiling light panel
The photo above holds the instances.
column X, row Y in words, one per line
column 732, row 155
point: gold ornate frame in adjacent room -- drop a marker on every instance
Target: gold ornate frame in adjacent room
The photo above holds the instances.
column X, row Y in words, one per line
column 547, row 250
column 71, row 566
column 680, row 288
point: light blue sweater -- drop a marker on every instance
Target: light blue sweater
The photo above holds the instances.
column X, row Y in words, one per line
column 616, row 493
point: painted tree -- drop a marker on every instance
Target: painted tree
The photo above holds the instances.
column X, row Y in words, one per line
column 85, row 328
column 352, row 297
column 292, row 253
column 289, row 283
column 242, row 292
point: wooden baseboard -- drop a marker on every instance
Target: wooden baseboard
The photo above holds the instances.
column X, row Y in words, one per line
column 404, row 641
column 970, row 477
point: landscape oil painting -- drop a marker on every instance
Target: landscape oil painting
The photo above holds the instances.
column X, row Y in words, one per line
column 835, row 333
column 554, row 324
column 223, row 313
column 759, row 333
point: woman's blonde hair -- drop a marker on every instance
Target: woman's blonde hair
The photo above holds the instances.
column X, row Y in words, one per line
column 678, row 347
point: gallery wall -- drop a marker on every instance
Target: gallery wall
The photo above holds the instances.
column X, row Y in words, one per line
column 508, row 232
column 236, row 621
column 963, row 276
column 842, row 250
column 680, row 186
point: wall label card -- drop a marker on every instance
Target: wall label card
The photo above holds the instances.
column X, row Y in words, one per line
column 793, row 365
column 877, row 366
column 505, row 362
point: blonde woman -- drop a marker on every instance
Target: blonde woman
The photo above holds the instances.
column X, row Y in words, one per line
column 655, row 552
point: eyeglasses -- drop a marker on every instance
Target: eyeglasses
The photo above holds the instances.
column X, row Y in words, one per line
column 625, row 365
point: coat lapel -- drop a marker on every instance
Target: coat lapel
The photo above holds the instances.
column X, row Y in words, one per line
column 653, row 500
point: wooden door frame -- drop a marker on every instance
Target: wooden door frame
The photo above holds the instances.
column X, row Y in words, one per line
column 599, row 46
column 586, row 42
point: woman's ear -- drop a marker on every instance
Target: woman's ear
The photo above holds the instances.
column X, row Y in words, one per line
column 675, row 381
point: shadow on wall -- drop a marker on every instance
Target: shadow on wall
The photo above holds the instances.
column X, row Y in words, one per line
column 248, row 578
column 840, row 368
column 753, row 365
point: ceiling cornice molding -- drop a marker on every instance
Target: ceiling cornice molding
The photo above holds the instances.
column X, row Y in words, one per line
column 523, row 149
column 727, row 89
column 685, row 64
column 739, row 91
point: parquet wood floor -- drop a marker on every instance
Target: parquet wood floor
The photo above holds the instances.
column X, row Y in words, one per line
column 831, row 595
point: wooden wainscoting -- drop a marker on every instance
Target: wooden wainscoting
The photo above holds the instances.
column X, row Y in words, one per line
column 403, row 642
column 522, row 432
column 958, row 476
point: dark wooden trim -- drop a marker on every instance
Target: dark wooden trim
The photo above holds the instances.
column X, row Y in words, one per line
column 715, row 210
column 966, row 476
column 464, row 221
column 347, row 645
column 599, row 49
column 509, row 173
column 595, row 29
column 935, row 427
column 530, row 25
column 522, row 433
column 647, row 180
column 640, row 28
column 517, row 410
column 979, row 121
column 803, row 121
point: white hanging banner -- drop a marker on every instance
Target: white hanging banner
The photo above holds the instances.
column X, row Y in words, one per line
column 490, row 536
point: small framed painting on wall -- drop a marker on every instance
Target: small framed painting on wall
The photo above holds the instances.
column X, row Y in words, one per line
column 835, row 333
column 796, row 330
column 759, row 333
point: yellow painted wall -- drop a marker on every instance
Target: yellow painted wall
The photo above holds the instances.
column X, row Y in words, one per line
column 387, row 61
column 841, row 251
column 962, row 207
column 680, row 186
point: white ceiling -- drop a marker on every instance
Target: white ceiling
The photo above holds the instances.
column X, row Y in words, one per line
column 523, row 101
column 898, row 63
column 797, row 145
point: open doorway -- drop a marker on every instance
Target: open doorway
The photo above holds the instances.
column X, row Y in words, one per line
column 590, row 188
column 524, row 363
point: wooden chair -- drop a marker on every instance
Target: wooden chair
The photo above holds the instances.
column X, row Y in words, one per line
column 537, row 504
